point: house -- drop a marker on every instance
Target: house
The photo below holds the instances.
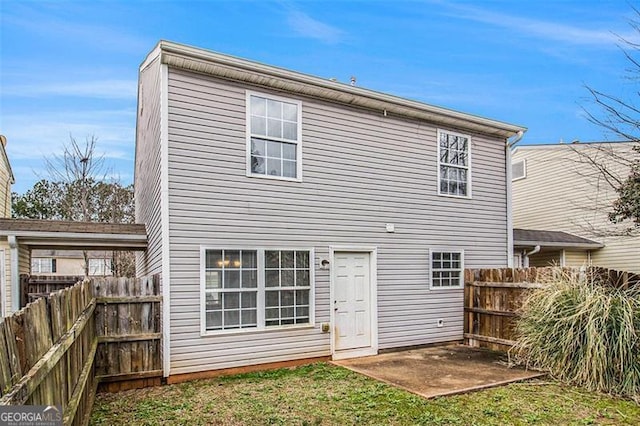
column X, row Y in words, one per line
column 294, row 217
column 561, row 201
column 6, row 180
column 71, row 262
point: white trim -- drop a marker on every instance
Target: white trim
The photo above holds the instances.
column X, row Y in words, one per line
column 15, row 273
column 563, row 258
column 260, row 291
column 164, row 217
column 373, row 282
column 446, row 250
column 298, row 142
column 75, row 235
column 3, row 284
column 509, row 201
column 468, row 167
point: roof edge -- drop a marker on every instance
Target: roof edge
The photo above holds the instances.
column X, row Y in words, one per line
column 238, row 69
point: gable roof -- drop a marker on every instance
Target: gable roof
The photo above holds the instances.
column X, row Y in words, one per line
column 533, row 237
column 242, row 70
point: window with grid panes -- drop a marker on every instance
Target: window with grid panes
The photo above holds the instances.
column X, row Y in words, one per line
column 287, row 287
column 453, row 164
column 231, row 289
column 274, row 137
column 446, row 269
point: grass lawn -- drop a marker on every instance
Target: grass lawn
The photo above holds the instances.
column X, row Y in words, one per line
column 322, row 394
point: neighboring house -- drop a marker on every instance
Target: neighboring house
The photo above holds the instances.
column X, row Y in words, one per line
column 70, row 262
column 294, row 217
column 561, row 202
column 6, row 180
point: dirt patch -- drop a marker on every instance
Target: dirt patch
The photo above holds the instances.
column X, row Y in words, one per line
column 441, row 370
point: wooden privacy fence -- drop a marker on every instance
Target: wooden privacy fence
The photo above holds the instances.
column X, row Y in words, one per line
column 56, row 350
column 493, row 297
column 33, row 287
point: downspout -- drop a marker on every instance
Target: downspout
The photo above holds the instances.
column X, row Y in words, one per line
column 525, row 261
column 508, row 146
column 15, row 274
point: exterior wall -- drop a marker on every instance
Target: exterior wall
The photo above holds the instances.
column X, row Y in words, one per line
column 5, row 187
column 576, row 258
column 562, row 192
column 148, row 170
column 361, row 170
column 545, row 258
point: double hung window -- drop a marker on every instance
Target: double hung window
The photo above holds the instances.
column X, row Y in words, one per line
column 274, row 148
column 454, row 164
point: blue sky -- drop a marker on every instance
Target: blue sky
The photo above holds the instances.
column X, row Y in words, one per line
column 71, row 67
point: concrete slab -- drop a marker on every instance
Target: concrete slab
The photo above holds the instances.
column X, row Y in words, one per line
column 440, row 370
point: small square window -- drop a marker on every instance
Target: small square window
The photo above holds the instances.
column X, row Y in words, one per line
column 447, row 269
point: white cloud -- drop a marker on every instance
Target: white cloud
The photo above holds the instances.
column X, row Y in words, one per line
column 101, row 89
column 542, row 29
column 306, row 26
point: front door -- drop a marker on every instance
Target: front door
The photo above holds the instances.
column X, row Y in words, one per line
column 352, row 303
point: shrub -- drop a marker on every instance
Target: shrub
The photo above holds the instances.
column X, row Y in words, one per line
column 582, row 332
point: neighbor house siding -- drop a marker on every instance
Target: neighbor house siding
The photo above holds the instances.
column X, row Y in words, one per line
column 361, row 170
column 148, row 169
column 563, row 192
column 576, row 258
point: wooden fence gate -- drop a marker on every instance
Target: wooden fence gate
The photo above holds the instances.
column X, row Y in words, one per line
column 56, row 350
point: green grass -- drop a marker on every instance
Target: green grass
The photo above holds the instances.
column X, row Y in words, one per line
column 322, row 394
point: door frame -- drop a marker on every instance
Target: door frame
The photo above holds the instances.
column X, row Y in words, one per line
column 373, row 301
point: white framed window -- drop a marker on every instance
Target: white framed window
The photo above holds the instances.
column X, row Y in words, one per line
column 287, row 287
column 255, row 289
column 99, row 267
column 43, row 265
column 274, row 141
column 447, row 268
column 454, row 164
column 518, row 170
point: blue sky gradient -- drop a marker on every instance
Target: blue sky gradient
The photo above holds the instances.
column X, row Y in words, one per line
column 70, row 67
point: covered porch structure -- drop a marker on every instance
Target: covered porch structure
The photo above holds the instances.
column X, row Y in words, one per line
column 20, row 236
column 551, row 248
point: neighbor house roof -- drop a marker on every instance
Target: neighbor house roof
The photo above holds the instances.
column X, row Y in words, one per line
column 231, row 68
column 56, row 234
column 559, row 239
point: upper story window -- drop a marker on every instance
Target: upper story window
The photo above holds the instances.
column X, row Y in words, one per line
column 454, row 164
column 43, row 265
column 518, row 170
column 273, row 137
column 100, row 267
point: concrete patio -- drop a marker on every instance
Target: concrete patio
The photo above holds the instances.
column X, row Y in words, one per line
column 440, row 370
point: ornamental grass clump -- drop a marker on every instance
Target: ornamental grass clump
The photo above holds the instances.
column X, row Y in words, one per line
column 582, row 332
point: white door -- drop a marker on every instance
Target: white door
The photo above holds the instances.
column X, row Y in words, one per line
column 352, row 304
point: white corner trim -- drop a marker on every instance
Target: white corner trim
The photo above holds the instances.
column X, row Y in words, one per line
column 3, row 284
column 164, row 217
column 509, row 201
column 15, row 274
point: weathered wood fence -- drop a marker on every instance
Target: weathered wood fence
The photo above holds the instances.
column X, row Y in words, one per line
column 33, row 287
column 493, row 297
column 57, row 350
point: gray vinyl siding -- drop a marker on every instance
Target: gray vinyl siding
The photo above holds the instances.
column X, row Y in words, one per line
column 361, row 170
column 148, row 169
